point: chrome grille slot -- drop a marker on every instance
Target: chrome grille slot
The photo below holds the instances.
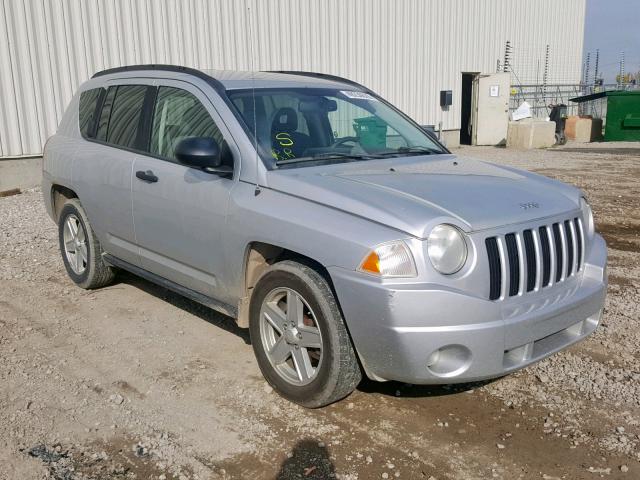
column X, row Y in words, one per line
column 559, row 248
column 495, row 268
column 530, row 250
column 570, row 246
column 533, row 259
column 514, row 264
column 578, row 228
column 546, row 256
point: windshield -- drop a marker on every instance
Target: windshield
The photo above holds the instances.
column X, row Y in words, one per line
column 298, row 126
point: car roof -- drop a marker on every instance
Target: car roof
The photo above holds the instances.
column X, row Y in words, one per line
column 239, row 79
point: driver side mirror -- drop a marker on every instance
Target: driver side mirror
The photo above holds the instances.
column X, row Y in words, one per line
column 202, row 153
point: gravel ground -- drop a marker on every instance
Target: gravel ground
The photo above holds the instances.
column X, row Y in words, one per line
column 134, row 382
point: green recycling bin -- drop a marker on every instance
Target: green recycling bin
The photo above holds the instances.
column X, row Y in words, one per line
column 623, row 116
column 371, row 131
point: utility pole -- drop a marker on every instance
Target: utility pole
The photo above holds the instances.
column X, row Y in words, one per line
column 586, row 70
column 507, row 56
column 545, row 75
column 621, row 74
column 595, row 75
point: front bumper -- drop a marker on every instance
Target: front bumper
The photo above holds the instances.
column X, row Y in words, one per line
column 429, row 334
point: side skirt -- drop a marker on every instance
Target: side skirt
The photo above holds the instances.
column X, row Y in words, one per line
column 174, row 287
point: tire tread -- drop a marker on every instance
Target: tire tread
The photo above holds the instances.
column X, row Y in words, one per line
column 348, row 374
column 99, row 273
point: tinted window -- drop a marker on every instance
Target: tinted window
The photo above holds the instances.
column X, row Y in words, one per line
column 87, row 111
column 103, row 122
column 179, row 115
column 125, row 115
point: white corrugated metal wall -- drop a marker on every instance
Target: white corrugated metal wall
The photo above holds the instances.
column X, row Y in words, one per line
column 406, row 50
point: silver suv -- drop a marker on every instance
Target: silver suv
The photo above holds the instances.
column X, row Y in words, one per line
column 345, row 237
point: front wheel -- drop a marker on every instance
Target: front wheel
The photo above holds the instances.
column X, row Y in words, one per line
column 299, row 337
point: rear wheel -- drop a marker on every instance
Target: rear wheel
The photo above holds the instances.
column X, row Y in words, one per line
column 299, row 336
column 80, row 248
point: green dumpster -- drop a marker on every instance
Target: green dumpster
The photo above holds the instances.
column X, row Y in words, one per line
column 371, row 131
column 623, row 116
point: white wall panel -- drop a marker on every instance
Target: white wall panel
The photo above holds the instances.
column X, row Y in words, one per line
column 406, row 50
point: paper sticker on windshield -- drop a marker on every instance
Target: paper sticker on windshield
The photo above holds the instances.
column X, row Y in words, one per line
column 358, row 95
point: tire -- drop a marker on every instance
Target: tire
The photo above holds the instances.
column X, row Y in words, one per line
column 334, row 369
column 86, row 267
column 561, row 139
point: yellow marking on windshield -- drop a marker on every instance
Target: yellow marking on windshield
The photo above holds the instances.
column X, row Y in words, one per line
column 284, row 139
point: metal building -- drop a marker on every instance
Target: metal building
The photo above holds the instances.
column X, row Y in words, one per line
column 406, row 50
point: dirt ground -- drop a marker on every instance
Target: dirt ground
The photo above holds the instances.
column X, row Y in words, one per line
column 133, row 381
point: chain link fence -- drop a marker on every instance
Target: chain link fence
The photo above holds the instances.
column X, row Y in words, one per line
column 541, row 97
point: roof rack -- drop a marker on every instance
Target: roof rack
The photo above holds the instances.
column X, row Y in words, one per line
column 214, row 82
column 152, row 66
column 325, row 76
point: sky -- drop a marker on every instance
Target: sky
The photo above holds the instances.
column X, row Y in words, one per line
column 613, row 26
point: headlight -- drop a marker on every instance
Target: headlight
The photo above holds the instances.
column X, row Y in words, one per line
column 587, row 216
column 447, row 249
column 391, row 259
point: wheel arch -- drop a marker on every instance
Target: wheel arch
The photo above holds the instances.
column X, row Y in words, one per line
column 259, row 257
column 59, row 195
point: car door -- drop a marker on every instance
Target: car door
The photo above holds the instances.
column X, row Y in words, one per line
column 179, row 212
column 102, row 167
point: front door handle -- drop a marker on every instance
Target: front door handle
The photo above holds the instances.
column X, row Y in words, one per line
column 147, row 176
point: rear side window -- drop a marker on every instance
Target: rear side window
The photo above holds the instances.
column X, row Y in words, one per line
column 87, row 111
column 125, row 115
column 105, row 113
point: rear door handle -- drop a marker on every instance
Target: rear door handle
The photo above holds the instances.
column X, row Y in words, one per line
column 147, row 176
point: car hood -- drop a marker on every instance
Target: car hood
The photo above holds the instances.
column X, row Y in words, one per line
column 413, row 194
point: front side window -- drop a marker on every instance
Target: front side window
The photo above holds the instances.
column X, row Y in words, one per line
column 298, row 125
column 178, row 115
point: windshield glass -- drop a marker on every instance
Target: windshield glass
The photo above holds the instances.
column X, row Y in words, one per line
column 298, row 126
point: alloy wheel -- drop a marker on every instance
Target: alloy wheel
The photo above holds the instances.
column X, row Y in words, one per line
column 291, row 336
column 75, row 244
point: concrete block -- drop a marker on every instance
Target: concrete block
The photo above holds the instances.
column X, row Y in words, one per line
column 583, row 128
column 531, row 133
column 20, row 173
column 451, row 138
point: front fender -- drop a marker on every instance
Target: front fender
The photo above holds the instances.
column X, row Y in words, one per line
column 330, row 237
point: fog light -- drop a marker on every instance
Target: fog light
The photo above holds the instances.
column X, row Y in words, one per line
column 433, row 358
column 449, row 361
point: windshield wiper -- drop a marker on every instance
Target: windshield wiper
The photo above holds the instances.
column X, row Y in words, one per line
column 413, row 150
column 327, row 156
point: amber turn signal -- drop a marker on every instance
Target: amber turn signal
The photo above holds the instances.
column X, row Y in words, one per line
column 371, row 264
column 392, row 259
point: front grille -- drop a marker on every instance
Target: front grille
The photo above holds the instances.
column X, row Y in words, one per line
column 536, row 258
